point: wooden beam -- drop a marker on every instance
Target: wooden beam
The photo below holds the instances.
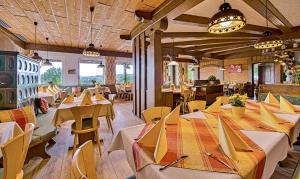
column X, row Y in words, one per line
column 170, row 9
column 125, row 37
column 143, row 15
column 232, row 35
column 227, row 47
column 249, row 53
column 274, row 16
column 182, row 60
column 205, row 48
column 12, row 37
column 193, row 20
column 55, row 48
column 206, row 42
column 236, row 50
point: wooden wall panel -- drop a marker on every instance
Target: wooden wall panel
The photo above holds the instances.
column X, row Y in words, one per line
column 143, row 69
column 134, row 75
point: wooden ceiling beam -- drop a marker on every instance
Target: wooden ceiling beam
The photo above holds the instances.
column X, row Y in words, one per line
column 226, row 50
column 232, row 35
column 227, row 47
column 143, row 15
column 170, row 9
column 240, row 50
column 274, row 16
column 193, row 20
column 12, row 37
column 205, row 42
column 55, row 48
column 205, row 48
column 182, row 60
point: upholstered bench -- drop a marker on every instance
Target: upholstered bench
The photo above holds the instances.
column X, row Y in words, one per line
column 42, row 136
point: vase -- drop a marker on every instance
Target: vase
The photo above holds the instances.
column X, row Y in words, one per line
column 238, row 111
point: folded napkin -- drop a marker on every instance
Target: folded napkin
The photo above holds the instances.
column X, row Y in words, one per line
column 268, row 117
column 99, row 97
column 87, row 100
column 215, row 107
column 51, row 91
column 224, row 99
column 83, row 93
column 69, row 99
column 230, row 141
column 271, row 99
column 156, row 138
column 286, row 106
column 173, row 116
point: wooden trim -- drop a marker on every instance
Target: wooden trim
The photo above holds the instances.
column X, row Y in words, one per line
column 55, row 48
column 135, row 80
column 140, row 76
column 199, row 21
column 274, row 16
column 232, row 35
column 170, row 9
column 12, row 37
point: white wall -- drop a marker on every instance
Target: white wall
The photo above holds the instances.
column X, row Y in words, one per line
column 71, row 61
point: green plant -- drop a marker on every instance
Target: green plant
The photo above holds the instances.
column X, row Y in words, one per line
column 212, row 78
column 237, row 100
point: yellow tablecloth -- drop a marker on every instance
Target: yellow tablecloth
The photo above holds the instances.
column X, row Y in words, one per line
column 63, row 112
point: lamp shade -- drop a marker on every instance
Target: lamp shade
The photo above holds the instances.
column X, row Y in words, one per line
column 47, row 63
column 36, row 56
column 268, row 41
column 91, row 51
column 226, row 20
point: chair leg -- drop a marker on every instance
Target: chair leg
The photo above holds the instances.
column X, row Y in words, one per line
column 75, row 143
column 98, row 141
column 109, row 124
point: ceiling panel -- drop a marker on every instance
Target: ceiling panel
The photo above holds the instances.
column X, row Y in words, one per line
column 289, row 9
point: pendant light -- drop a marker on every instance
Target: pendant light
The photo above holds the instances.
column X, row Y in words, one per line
column 91, row 51
column 268, row 41
column 226, row 20
column 172, row 59
column 35, row 54
column 47, row 62
column 100, row 65
column 127, row 66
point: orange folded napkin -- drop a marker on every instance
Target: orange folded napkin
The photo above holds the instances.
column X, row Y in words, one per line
column 173, row 116
column 286, row 106
column 215, row 107
column 69, row 99
column 99, row 97
column 230, row 141
column 87, row 100
column 50, row 91
column 156, row 138
column 271, row 99
column 268, row 117
column 224, row 99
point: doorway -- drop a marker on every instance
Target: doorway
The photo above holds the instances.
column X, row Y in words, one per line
column 263, row 73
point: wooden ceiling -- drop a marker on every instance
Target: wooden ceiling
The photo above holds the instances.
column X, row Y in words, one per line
column 67, row 22
column 188, row 30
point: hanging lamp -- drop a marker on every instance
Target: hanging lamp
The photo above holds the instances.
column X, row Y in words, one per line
column 172, row 59
column 35, row 54
column 91, row 51
column 268, row 41
column 47, row 62
column 100, row 65
column 226, row 20
column 127, row 66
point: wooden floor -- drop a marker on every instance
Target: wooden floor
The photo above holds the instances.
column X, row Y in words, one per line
column 113, row 166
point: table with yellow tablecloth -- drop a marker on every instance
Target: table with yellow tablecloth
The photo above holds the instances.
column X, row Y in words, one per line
column 63, row 112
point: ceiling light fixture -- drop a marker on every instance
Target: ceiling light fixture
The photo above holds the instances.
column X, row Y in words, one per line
column 35, row 54
column 172, row 59
column 100, row 65
column 268, row 41
column 47, row 62
column 127, row 66
column 91, row 51
column 226, row 20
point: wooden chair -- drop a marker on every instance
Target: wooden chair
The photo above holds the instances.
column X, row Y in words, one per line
column 186, row 96
column 196, row 105
column 15, row 151
column 86, row 121
column 153, row 113
column 83, row 163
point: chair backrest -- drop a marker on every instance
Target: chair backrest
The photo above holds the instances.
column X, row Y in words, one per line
column 81, row 112
column 83, row 163
column 196, row 105
column 155, row 112
column 14, row 153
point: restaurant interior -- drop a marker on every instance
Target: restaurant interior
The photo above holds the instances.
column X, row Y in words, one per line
column 150, row 89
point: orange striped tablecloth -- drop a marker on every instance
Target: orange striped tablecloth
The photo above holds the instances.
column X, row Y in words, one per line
column 194, row 138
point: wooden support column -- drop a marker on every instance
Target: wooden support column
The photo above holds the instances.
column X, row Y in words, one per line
column 110, row 70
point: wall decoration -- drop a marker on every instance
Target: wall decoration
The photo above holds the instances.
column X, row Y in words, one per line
column 235, row 68
column 71, row 71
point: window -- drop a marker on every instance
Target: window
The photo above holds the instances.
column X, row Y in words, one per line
column 89, row 72
column 129, row 74
column 120, row 76
column 51, row 73
column 190, row 72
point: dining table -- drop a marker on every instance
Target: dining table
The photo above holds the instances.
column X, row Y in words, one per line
column 63, row 112
column 275, row 145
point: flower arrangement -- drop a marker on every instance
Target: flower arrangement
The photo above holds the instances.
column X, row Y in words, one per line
column 212, row 78
column 238, row 100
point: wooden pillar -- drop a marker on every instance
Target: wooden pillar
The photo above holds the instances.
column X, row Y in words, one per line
column 110, row 71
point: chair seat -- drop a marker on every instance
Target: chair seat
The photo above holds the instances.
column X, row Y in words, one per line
column 86, row 124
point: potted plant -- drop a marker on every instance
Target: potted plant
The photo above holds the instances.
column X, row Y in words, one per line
column 237, row 102
column 211, row 79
